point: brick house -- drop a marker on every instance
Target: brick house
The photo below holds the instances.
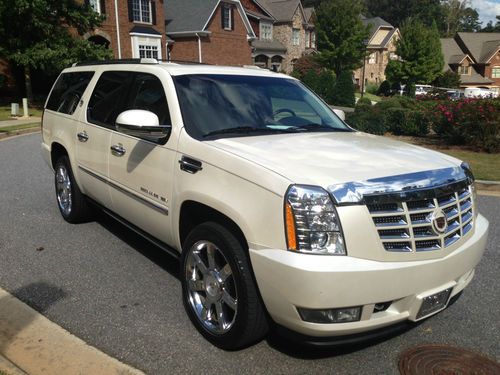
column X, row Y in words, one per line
column 476, row 57
column 381, row 48
column 286, row 32
column 132, row 28
column 209, row 31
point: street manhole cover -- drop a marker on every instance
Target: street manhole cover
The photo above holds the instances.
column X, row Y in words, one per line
column 445, row 360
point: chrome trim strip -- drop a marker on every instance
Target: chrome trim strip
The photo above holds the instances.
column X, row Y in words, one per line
column 163, row 210
column 404, row 187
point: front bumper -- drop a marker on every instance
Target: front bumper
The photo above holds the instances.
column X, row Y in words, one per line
column 289, row 280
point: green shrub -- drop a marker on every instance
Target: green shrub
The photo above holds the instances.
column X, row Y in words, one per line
column 322, row 83
column 343, row 91
column 403, row 121
column 367, row 119
column 388, row 103
column 372, row 88
column 364, row 101
column 384, row 89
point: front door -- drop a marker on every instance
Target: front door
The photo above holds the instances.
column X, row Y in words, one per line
column 141, row 171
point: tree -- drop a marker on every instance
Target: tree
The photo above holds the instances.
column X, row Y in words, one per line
column 343, row 91
column 448, row 80
column 47, row 35
column 421, row 59
column 396, row 11
column 470, row 21
column 384, row 89
column 341, row 35
column 459, row 16
column 489, row 28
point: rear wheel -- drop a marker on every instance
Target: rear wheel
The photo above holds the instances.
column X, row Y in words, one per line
column 219, row 293
column 72, row 203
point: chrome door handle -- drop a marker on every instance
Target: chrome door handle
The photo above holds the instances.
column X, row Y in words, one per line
column 117, row 150
column 83, row 136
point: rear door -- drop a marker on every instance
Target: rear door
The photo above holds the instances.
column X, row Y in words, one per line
column 141, row 173
column 94, row 134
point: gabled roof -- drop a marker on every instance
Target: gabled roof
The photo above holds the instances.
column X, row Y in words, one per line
column 308, row 12
column 259, row 16
column 452, row 52
column 192, row 16
column 375, row 24
column 480, row 46
column 268, row 46
column 282, row 10
column 474, row 78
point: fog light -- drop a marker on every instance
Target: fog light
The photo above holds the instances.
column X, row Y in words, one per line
column 343, row 315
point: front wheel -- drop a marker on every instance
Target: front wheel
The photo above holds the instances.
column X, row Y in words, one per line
column 72, row 203
column 219, row 293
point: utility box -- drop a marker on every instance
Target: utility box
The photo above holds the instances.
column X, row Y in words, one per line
column 14, row 109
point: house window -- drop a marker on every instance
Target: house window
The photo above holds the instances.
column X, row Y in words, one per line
column 313, row 40
column 495, row 72
column 141, row 11
column 96, row 5
column 372, row 59
column 308, row 39
column 464, row 69
column 148, row 51
column 295, row 37
column 226, row 18
column 266, row 31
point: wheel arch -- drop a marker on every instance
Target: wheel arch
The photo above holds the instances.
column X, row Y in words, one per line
column 56, row 151
column 193, row 213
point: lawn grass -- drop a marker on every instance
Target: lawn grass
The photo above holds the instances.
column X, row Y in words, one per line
column 484, row 166
column 5, row 111
column 13, row 128
column 373, row 98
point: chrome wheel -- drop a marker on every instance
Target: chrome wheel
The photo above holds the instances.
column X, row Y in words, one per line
column 211, row 287
column 63, row 190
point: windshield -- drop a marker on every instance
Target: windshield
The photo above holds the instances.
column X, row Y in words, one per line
column 216, row 106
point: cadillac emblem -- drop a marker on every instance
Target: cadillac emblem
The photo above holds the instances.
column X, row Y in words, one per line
column 439, row 222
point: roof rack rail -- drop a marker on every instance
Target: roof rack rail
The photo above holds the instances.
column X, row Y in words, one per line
column 118, row 61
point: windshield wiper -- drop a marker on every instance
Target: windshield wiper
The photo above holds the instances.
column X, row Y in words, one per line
column 247, row 130
column 314, row 126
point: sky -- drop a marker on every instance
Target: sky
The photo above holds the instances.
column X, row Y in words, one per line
column 487, row 9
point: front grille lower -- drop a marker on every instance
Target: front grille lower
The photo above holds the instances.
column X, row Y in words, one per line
column 407, row 226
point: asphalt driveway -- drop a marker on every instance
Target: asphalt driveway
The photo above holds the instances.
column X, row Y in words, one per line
column 121, row 294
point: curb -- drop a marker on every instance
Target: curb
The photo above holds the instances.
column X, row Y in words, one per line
column 16, row 133
column 32, row 344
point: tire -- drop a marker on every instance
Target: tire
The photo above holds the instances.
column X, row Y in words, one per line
column 72, row 204
column 219, row 293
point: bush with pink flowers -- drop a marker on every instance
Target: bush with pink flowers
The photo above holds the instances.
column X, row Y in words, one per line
column 471, row 122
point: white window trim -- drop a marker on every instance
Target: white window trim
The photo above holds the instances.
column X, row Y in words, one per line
column 97, row 9
column 308, row 39
column 295, row 41
column 230, row 21
column 497, row 68
column 313, row 39
column 150, row 22
column 261, row 30
column 153, row 40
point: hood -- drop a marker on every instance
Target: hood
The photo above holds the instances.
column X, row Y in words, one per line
column 330, row 158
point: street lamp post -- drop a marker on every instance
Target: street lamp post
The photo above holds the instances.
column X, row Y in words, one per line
column 365, row 43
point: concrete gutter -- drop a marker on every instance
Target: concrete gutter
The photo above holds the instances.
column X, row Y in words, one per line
column 32, row 344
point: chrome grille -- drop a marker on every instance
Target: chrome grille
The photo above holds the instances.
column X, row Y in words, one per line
column 407, row 226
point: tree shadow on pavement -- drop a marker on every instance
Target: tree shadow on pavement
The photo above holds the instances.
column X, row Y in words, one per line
column 154, row 253
column 14, row 316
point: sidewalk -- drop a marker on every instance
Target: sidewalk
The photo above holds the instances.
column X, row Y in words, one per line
column 20, row 121
column 32, row 344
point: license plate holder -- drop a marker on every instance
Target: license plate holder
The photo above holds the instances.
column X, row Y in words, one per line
column 434, row 303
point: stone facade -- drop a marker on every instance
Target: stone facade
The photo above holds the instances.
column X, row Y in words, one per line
column 283, row 32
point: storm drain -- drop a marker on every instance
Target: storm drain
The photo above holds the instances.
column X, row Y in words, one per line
column 445, row 360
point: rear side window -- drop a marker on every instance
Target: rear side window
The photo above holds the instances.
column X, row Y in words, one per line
column 106, row 102
column 68, row 91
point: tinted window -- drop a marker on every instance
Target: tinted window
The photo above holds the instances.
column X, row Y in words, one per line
column 232, row 105
column 106, row 102
column 68, row 91
column 147, row 93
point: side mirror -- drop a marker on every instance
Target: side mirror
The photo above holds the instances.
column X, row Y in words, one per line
column 340, row 113
column 142, row 124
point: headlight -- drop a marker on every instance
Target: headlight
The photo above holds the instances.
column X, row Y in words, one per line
column 311, row 221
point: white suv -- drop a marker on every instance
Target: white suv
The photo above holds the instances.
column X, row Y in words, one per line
column 278, row 211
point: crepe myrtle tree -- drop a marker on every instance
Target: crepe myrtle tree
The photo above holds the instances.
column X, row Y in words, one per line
column 420, row 57
column 47, row 35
